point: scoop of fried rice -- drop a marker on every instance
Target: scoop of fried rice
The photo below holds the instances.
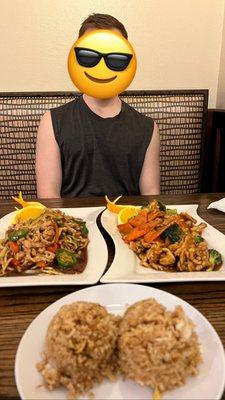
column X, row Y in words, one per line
column 79, row 351
column 157, row 348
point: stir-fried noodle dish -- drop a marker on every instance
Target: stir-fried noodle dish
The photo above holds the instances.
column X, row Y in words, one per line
column 54, row 243
column 166, row 240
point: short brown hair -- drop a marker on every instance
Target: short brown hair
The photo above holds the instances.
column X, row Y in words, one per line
column 102, row 21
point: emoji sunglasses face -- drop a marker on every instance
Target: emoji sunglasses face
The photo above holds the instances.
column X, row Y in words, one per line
column 94, row 57
column 90, row 58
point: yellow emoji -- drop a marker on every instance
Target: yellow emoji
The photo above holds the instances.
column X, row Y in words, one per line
column 102, row 63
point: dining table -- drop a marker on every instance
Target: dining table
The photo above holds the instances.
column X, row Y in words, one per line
column 19, row 306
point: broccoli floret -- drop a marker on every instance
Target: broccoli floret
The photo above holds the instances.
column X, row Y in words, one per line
column 161, row 206
column 173, row 233
column 215, row 258
column 198, row 239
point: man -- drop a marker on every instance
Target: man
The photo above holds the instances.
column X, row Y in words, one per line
column 94, row 146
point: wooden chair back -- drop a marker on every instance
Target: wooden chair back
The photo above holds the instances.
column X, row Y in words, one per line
column 180, row 115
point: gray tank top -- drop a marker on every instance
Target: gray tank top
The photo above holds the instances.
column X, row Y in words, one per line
column 100, row 155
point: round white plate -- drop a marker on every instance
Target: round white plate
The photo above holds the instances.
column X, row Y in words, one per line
column 209, row 384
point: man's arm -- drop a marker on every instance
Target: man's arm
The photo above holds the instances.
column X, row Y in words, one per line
column 48, row 160
column 150, row 175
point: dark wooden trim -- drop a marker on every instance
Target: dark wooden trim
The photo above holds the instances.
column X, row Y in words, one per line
column 167, row 92
column 37, row 94
column 126, row 93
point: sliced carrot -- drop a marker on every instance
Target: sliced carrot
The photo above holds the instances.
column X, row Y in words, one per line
column 134, row 234
column 149, row 226
column 137, row 231
column 56, row 232
column 14, row 247
column 149, row 237
column 53, row 247
column 139, row 219
column 143, row 212
column 152, row 215
column 125, row 228
column 182, row 223
column 152, row 235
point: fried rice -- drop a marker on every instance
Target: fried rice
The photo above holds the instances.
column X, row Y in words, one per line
column 156, row 347
column 79, row 348
column 150, row 345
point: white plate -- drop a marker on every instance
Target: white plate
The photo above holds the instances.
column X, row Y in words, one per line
column 209, row 384
column 126, row 265
column 97, row 254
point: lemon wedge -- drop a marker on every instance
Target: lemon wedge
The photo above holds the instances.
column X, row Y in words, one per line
column 24, row 203
column 28, row 212
column 126, row 213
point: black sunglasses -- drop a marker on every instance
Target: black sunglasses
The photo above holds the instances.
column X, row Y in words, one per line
column 89, row 58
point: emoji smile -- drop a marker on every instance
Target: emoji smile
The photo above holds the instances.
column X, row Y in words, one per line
column 100, row 80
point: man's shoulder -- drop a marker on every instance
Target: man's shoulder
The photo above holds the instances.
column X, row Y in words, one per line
column 71, row 105
column 134, row 113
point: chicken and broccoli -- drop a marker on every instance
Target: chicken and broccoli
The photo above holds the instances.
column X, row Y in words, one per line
column 166, row 240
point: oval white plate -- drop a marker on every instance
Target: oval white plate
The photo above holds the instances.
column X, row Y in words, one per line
column 209, row 384
column 97, row 254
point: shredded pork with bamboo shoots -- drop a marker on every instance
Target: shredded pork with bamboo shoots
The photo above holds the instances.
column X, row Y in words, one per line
column 54, row 243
